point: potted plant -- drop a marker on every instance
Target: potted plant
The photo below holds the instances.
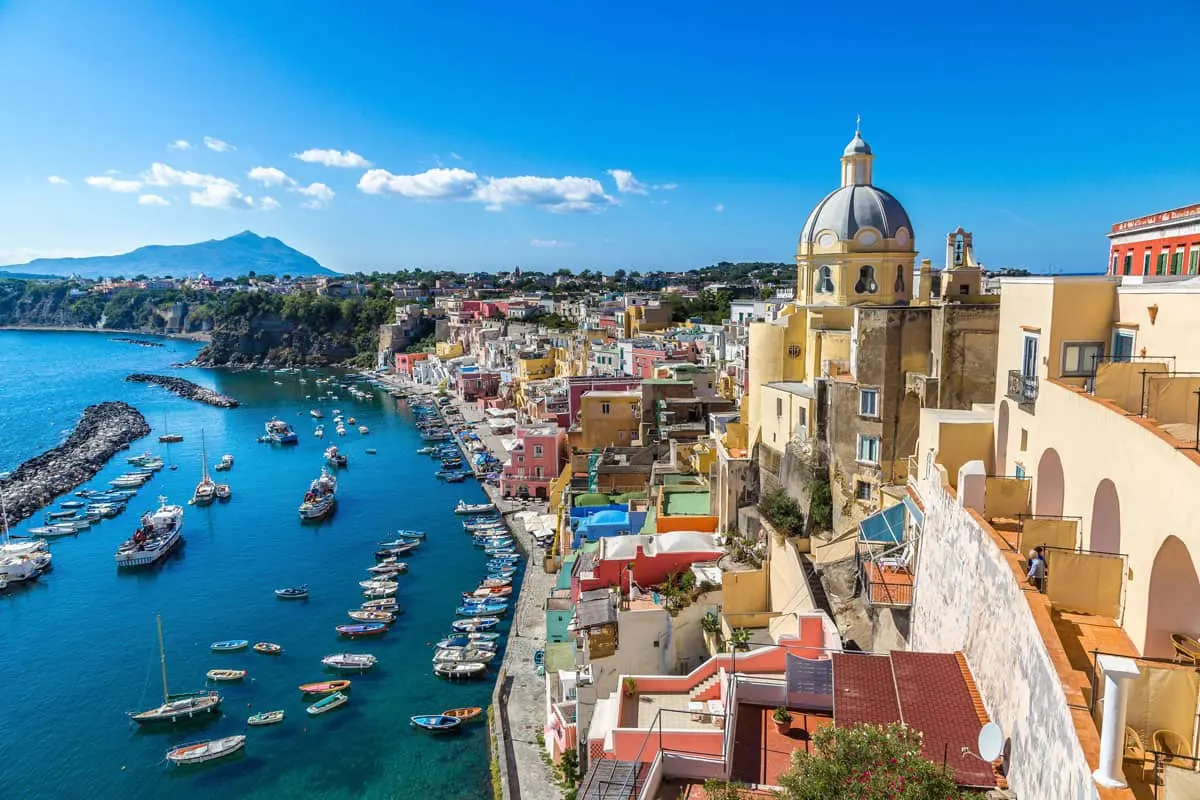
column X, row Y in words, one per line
column 783, row 719
column 629, row 687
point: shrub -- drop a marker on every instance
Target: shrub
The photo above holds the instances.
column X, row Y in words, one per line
column 783, row 512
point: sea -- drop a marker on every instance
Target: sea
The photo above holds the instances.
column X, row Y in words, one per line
column 79, row 648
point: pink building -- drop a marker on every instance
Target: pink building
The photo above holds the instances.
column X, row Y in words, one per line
column 405, row 361
column 653, row 558
column 474, row 385
column 536, row 460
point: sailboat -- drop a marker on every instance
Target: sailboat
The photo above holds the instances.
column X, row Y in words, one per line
column 179, row 707
column 206, row 489
column 168, row 438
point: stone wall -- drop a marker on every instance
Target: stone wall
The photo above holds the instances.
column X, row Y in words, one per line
column 967, row 599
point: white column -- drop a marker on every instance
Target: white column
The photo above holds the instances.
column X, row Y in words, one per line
column 1117, row 669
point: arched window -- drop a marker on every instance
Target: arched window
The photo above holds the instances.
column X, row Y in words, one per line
column 866, row 281
column 824, row 280
column 899, row 287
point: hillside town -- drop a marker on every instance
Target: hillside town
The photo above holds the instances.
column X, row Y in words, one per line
column 882, row 489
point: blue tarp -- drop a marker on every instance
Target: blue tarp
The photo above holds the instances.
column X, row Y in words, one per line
column 914, row 512
column 883, row 527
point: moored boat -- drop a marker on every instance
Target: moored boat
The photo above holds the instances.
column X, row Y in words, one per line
column 229, row 645
column 320, row 498
column 467, row 669
column 371, row 615
column 158, row 534
column 267, row 648
column 266, row 718
column 325, row 687
column 225, row 674
column 335, row 458
column 436, row 723
column 380, row 592
column 385, row 604
column 200, row 752
column 466, row 714
column 362, row 629
column 473, row 624
column 349, row 662
column 280, row 432
column 292, row 592
column 464, row 507
column 178, row 707
column 326, row 704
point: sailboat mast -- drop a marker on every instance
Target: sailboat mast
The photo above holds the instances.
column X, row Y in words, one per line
column 204, row 457
column 162, row 658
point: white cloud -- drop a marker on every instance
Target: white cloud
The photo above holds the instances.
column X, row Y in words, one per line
column 153, row 200
column 455, row 156
column 210, row 191
column 666, row 187
column 112, row 184
column 554, row 194
column 719, row 207
column 182, row 144
column 270, row 176
column 433, row 184
column 626, row 183
column 319, row 192
column 57, row 181
column 549, row 243
column 218, row 145
column 333, row 158
column 268, row 204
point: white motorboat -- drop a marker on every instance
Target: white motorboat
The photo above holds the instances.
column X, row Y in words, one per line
column 464, row 507
column 16, row 569
column 320, row 499
column 359, row 662
column 223, row 491
column 468, row 669
column 24, row 548
column 225, row 464
column 156, row 536
column 363, row 429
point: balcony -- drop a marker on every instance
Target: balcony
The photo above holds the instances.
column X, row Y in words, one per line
column 1022, row 389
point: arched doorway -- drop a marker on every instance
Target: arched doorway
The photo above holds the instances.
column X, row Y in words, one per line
column 1001, row 465
column 1048, row 500
column 1106, row 519
column 1174, row 598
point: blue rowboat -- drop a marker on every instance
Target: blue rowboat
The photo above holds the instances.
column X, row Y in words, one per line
column 489, row 609
column 292, row 592
column 363, row 629
column 475, row 624
column 230, row 645
column 327, row 704
column 436, row 723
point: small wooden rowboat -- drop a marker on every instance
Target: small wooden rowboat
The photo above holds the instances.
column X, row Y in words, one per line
column 362, row 629
column 361, row 615
column 266, row 718
column 465, row 714
column 436, row 723
column 199, row 752
column 292, row 593
column 325, row 687
column 230, row 645
column 267, row 648
column 387, row 605
column 327, row 704
column 226, row 674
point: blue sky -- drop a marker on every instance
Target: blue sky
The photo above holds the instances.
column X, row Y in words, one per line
column 496, row 129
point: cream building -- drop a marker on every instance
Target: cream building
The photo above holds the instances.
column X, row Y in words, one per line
column 869, row 341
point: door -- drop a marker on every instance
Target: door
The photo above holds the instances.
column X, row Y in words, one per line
column 1029, row 363
column 1122, row 346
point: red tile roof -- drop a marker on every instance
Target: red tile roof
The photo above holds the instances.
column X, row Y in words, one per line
column 926, row 691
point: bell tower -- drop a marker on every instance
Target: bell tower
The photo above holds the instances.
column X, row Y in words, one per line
column 857, row 160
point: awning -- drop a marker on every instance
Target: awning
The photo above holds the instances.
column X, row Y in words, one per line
column 883, row 527
column 913, row 511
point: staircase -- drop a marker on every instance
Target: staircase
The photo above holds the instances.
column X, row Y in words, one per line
column 707, row 689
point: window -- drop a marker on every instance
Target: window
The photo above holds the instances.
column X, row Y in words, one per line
column 1029, row 358
column 1129, row 262
column 899, row 287
column 1024, row 445
column 824, row 280
column 621, row 436
column 1081, row 358
column 866, row 281
column 868, row 449
column 537, row 472
column 1194, row 259
column 1114, row 264
column 1146, row 262
column 1160, row 267
column 1122, row 349
column 793, row 351
column 520, row 459
column 537, row 451
column 1019, row 471
column 863, row 490
column 605, row 408
column 868, row 402
column 1177, row 261
column 779, row 406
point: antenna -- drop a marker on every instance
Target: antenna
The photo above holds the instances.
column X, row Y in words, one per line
column 989, row 745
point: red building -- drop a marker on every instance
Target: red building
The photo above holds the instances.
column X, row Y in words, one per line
column 405, row 361
column 535, row 461
column 1166, row 243
column 475, row 385
column 653, row 559
column 579, row 386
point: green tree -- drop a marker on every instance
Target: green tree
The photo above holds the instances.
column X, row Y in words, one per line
column 867, row 762
column 783, row 512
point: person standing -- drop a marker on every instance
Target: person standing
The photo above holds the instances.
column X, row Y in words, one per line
column 1037, row 569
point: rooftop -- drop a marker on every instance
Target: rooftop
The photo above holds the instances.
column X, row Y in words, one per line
column 686, row 504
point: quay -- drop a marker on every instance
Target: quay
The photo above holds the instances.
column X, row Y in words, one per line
column 186, row 389
column 104, row 429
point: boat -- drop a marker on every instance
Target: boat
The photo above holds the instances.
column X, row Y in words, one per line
column 73, row 504
column 473, row 624
column 362, row 629
column 176, row 707
column 225, row 464
column 359, row 662
column 316, row 413
column 170, row 438
column 436, row 723
column 464, row 641
column 60, row 514
column 381, row 592
column 267, row 648
column 265, row 718
column 225, row 674
column 370, row 451
column 386, row 604
column 157, row 535
column 351, row 421
column 363, row 429
column 223, row 491
column 390, row 568
column 463, row 655
column 334, row 458
column 464, row 507
column 427, row 450
column 321, row 497
column 292, row 592
column 229, row 645
column 319, row 431
column 280, row 432
column 327, row 704
column 486, row 593
column 463, row 669
column 394, row 552
column 494, row 583
column 325, row 687
column 405, row 540
column 206, row 489
column 465, row 714
column 200, row 752
column 371, row 615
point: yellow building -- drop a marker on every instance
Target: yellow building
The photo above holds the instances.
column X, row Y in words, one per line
column 535, row 367
column 607, row 418
column 448, row 349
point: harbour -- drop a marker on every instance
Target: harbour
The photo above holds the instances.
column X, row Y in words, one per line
column 90, row 628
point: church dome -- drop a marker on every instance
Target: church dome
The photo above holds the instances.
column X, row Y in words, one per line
column 849, row 209
column 858, row 146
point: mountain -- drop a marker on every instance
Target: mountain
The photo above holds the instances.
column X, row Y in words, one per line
column 216, row 258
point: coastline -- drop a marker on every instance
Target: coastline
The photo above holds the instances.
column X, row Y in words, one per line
column 188, row 337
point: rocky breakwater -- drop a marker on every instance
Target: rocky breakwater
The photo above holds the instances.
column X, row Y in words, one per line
column 186, row 389
column 103, row 429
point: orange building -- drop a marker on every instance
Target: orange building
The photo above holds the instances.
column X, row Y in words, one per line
column 1166, row 243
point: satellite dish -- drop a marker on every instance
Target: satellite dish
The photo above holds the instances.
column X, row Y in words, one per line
column 991, row 742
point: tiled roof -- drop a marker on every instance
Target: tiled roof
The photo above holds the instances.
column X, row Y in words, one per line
column 864, row 690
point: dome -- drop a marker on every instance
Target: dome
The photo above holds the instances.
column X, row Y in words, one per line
column 858, row 146
column 847, row 210
column 610, row 516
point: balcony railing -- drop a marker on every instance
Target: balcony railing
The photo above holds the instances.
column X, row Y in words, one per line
column 1022, row 389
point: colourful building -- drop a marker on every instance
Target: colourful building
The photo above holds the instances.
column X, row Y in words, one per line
column 405, row 361
column 608, row 418
column 476, row 384
column 534, row 461
column 647, row 560
column 1166, row 243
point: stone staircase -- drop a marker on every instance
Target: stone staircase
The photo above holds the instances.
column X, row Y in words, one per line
column 707, row 689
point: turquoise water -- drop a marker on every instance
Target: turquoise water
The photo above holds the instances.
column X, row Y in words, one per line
column 79, row 646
